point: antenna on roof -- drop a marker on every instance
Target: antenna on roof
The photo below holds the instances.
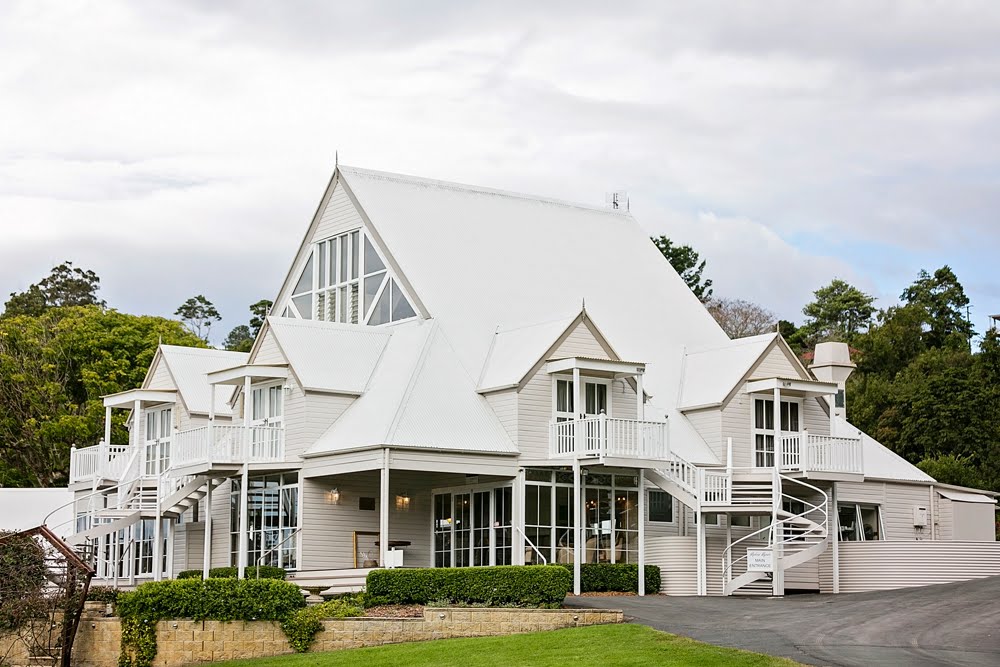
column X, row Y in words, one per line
column 336, row 159
column 583, row 305
column 615, row 199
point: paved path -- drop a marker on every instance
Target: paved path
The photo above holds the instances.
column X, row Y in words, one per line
column 948, row 624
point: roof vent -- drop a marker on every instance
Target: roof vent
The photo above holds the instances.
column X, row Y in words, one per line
column 617, row 200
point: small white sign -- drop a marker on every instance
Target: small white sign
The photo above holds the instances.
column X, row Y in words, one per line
column 760, row 560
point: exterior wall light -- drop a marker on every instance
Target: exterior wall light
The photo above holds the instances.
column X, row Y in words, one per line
column 403, row 502
column 333, row 496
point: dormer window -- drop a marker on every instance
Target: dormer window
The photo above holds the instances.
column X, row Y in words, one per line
column 345, row 279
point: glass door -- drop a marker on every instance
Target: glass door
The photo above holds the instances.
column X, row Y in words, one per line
column 159, row 424
column 267, row 419
column 763, row 431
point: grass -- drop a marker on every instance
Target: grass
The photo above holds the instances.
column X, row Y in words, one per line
column 619, row 645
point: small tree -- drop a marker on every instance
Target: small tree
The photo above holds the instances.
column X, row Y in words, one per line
column 239, row 339
column 198, row 314
column 688, row 265
column 839, row 312
column 943, row 300
column 258, row 313
column 740, row 318
column 66, row 285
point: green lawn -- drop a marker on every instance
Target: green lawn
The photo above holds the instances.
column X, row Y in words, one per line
column 618, row 645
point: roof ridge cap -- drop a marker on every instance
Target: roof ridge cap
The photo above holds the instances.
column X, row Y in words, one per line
column 464, row 187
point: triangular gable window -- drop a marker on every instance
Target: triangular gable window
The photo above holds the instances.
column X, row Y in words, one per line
column 340, row 283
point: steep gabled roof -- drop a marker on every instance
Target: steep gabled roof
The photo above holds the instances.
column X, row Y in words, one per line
column 329, row 357
column 477, row 258
column 711, row 373
column 189, row 366
column 515, row 351
column 881, row 462
column 419, row 396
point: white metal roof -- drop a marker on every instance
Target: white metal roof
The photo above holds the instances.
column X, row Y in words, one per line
column 418, row 396
column 966, row 496
column 515, row 351
column 481, row 258
column 881, row 462
column 326, row 356
column 710, row 373
column 189, row 368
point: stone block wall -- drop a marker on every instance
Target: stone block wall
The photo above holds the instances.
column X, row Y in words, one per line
column 189, row 642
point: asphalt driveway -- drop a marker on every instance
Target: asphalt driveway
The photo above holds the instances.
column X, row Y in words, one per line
column 948, row 624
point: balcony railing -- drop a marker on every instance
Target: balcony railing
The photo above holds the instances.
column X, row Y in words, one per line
column 101, row 461
column 805, row 452
column 228, row 444
column 603, row 436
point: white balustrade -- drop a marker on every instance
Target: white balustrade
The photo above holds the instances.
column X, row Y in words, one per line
column 821, row 453
column 228, row 444
column 608, row 436
column 101, row 461
column 716, row 486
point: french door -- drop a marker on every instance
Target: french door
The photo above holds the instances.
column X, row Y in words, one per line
column 266, row 420
column 763, row 428
column 159, row 425
column 595, row 398
column 472, row 527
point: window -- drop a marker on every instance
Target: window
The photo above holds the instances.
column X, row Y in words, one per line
column 346, row 280
column 473, row 527
column 711, row 519
column 159, row 425
column 763, row 428
column 661, row 506
column 739, row 520
column 859, row 523
column 273, row 516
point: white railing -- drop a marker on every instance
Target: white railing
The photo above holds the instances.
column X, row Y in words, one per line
column 716, row 486
column 101, row 461
column 228, row 444
column 806, row 452
column 607, row 436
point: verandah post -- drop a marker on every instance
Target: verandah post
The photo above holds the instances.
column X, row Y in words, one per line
column 242, row 557
column 577, row 526
column 207, row 546
column 383, row 509
column 642, row 532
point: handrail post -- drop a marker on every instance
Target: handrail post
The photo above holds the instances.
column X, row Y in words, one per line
column 72, row 463
column 804, row 450
column 602, row 434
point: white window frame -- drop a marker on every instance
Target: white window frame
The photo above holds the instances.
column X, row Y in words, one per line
column 860, row 528
column 471, row 490
column 673, row 508
column 776, row 433
column 558, row 415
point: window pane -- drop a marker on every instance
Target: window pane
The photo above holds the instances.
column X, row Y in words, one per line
column 306, row 279
column 380, row 314
column 740, row 520
column 373, row 263
column 848, row 517
column 537, row 475
column 401, row 308
column 870, row 522
column 793, row 416
column 354, row 303
column 354, row 255
column 372, row 283
column 758, row 413
column 304, row 305
column 322, row 265
column 344, row 250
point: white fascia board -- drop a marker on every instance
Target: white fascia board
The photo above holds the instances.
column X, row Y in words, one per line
column 808, row 387
column 627, row 368
column 127, row 399
column 235, row 376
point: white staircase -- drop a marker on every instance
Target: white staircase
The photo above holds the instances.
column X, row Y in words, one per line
column 793, row 539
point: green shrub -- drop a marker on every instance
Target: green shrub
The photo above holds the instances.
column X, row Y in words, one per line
column 103, row 594
column 615, row 577
column 505, row 585
column 302, row 626
column 215, row 599
column 253, row 572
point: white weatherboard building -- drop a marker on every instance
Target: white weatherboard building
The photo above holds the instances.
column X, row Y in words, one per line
column 458, row 376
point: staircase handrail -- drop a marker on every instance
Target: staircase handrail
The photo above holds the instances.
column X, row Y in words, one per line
column 275, row 548
column 88, row 496
column 728, row 563
column 531, row 544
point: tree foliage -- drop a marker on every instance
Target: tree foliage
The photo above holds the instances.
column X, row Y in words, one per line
column 241, row 338
column 258, row 313
column 943, row 302
column 198, row 315
column 688, row 265
column 55, row 368
column 66, row 285
column 740, row 318
column 839, row 312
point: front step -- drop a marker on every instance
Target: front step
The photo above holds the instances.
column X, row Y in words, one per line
column 760, row 588
column 331, row 582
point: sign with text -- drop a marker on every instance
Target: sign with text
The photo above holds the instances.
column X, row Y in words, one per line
column 760, row 560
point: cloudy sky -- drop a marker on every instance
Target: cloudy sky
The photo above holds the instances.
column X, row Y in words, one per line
column 181, row 147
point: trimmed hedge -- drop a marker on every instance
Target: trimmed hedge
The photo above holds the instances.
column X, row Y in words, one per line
column 615, row 577
column 266, row 572
column 502, row 585
column 220, row 599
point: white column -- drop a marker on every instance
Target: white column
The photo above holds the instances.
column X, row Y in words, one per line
column 835, row 529
column 777, row 428
column 383, row 510
column 729, row 558
column 702, row 561
column 577, row 527
column 642, row 531
column 517, row 519
column 107, row 425
column 207, row 547
column 170, row 549
column 209, row 432
column 157, row 537
column 137, row 426
column 578, row 409
column 640, row 403
column 242, row 556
